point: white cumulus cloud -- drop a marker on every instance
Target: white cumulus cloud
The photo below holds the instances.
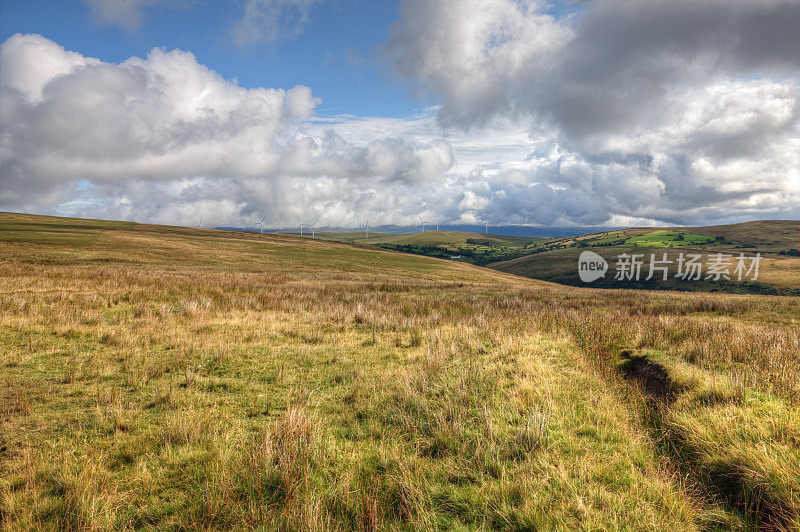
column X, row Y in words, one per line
column 160, row 137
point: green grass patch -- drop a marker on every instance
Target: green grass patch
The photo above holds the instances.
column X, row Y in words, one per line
column 669, row 239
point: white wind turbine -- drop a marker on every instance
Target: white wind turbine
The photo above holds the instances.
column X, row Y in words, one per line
column 486, row 226
column 437, row 225
column 365, row 227
column 313, row 230
column 261, row 225
column 422, row 223
column 200, row 226
column 300, row 222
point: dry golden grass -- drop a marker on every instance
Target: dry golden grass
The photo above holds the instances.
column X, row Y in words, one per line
column 156, row 377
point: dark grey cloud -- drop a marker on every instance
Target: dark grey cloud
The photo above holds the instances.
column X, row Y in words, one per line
column 661, row 109
column 629, row 62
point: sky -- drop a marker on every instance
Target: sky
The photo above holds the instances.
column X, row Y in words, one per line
column 542, row 113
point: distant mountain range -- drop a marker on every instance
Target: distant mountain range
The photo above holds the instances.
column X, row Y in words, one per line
column 505, row 230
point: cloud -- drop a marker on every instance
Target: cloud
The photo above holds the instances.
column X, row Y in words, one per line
column 159, row 137
column 125, row 14
column 29, row 63
column 271, row 21
column 638, row 112
column 672, row 111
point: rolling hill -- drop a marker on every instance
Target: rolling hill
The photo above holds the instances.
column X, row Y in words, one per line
column 779, row 273
column 432, row 238
column 757, row 236
column 162, row 377
column 475, row 248
column 764, row 235
column 460, row 238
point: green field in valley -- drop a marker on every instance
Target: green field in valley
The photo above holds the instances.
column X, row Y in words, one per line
column 663, row 239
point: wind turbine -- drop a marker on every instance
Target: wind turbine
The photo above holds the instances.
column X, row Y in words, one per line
column 261, row 225
column 485, row 226
column 201, row 224
column 422, row 223
column 313, row 231
column 437, row 225
column 365, row 227
column 299, row 221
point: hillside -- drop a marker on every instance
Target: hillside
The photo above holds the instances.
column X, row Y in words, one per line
column 356, row 237
column 779, row 271
column 169, row 378
column 764, row 235
column 432, row 238
column 474, row 248
column 460, row 238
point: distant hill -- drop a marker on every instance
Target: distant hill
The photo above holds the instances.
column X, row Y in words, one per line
column 777, row 240
column 477, row 248
column 555, row 259
column 443, row 238
column 763, row 235
column 394, row 230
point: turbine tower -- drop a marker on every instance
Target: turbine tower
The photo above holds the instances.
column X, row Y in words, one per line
column 261, row 225
column 201, row 224
column 422, row 223
column 365, row 227
column 307, row 226
column 437, row 225
column 485, row 226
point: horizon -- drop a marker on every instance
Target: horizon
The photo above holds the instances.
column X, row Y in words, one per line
column 501, row 230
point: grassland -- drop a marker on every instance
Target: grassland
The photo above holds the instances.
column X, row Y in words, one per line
column 668, row 239
column 766, row 236
column 776, row 241
column 166, row 378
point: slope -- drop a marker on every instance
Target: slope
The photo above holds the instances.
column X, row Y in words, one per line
column 776, row 241
column 163, row 377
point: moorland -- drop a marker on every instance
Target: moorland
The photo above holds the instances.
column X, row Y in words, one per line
column 156, row 377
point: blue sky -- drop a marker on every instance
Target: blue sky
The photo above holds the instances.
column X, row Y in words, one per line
column 338, row 65
column 535, row 112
